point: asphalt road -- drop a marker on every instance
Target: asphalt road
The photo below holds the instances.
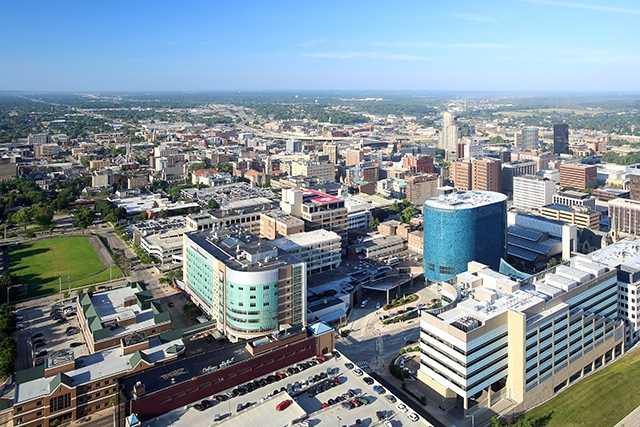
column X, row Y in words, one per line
column 367, row 350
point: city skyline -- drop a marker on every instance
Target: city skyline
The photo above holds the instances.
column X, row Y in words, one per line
column 528, row 45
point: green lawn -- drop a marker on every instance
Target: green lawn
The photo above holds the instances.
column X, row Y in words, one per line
column 601, row 400
column 39, row 265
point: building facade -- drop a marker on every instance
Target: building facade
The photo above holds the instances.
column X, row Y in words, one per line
column 316, row 209
column 463, row 227
column 275, row 223
column 515, row 169
column 575, row 199
column 461, row 175
column 561, row 138
column 582, row 217
column 449, row 136
column 246, row 284
column 532, row 192
column 486, row 174
column 578, row 176
column 625, row 216
column 419, row 188
column 319, row 249
column 529, row 139
column 521, row 340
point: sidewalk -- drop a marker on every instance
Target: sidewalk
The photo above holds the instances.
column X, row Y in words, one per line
column 631, row 420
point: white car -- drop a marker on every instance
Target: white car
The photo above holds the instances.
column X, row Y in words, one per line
column 364, row 303
column 378, row 306
column 402, row 407
column 413, row 416
column 358, row 372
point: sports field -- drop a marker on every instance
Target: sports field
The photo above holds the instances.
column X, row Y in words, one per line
column 600, row 400
column 71, row 260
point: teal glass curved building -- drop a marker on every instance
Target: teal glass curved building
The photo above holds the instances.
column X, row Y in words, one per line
column 462, row 227
column 247, row 285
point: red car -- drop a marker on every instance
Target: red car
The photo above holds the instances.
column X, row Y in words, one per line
column 283, row 405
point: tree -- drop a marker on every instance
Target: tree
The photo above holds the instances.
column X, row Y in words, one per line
column 22, row 217
column 497, row 140
column 225, row 167
column 375, row 222
column 83, row 217
column 64, row 198
column 42, row 214
column 7, row 356
column 407, row 213
column 212, row 204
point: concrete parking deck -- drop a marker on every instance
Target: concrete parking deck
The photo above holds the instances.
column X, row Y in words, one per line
column 335, row 415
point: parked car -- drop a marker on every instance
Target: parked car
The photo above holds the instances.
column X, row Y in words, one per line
column 41, row 353
column 283, row 405
column 348, row 365
column 402, row 407
column 75, row 344
column 368, row 380
column 413, row 416
column 220, row 417
column 379, row 389
column 72, row 330
column 358, row 372
column 391, row 398
column 37, row 335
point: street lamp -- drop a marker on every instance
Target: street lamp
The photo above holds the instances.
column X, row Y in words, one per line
column 9, row 288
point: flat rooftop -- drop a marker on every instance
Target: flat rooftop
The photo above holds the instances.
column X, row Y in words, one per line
column 489, row 293
column 623, row 252
column 465, row 200
column 314, row 196
column 240, row 250
column 108, row 312
column 305, row 239
column 574, row 194
column 264, row 413
column 185, row 368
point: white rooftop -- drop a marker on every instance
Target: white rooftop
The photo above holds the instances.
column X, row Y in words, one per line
column 465, row 200
column 306, row 239
column 625, row 252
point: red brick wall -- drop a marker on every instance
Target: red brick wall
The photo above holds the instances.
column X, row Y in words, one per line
column 155, row 404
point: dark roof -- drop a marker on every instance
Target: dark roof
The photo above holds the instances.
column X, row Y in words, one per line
column 60, row 378
column 525, row 233
column 523, row 253
column 185, row 368
column 30, row 374
column 558, row 207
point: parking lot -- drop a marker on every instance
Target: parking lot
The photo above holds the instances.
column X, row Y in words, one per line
column 35, row 321
column 307, row 409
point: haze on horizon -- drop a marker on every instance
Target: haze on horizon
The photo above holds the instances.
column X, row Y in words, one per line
column 525, row 45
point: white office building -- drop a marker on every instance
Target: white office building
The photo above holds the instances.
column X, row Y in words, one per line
column 449, row 136
column 526, row 340
column 319, row 249
column 531, row 192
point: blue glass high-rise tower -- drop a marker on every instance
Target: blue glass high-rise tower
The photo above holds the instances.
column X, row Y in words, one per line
column 462, row 227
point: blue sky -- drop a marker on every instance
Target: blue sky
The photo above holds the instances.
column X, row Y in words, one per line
column 581, row 45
